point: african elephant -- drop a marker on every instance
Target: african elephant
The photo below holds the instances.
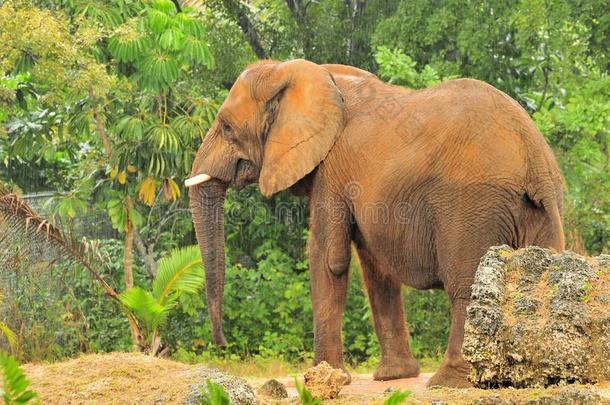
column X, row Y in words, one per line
column 421, row 183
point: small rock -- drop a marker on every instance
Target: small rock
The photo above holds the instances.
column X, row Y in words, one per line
column 238, row 390
column 325, row 382
column 161, row 399
column 577, row 396
column 274, row 389
column 492, row 400
column 389, row 390
column 438, row 402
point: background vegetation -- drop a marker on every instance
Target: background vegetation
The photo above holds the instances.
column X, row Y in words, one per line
column 104, row 102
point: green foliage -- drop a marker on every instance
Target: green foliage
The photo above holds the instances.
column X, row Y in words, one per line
column 179, row 273
column 305, row 395
column 397, row 397
column 8, row 333
column 215, row 394
column 152, row 79
column 15, row 382
column 158, row 43
column 398, row 68
column 578, row 127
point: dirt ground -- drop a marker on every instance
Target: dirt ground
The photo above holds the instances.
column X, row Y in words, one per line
column 130, row 378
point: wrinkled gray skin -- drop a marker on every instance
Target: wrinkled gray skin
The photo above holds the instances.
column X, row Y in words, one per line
column 422, row 183
column 537, row 318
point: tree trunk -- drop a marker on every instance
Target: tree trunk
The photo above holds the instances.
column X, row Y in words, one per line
column 298, row 9
column 236, row 10
column 146, row 253
column 128, row 270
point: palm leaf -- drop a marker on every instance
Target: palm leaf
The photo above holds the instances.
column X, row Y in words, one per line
column 143, row 305
column 18, row 219
column 197, row 51
column 9, row 335
column 158, row 70
column 180, row 272
column 15, row 382
column 165, row 6
column 128, row 47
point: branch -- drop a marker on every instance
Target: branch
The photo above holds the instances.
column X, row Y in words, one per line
column 101, row 127
column 146, row 252
column 298, row 8
column 236, row 10
column 177, row 4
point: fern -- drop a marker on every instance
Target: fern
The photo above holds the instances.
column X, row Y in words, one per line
column 214, row 395
column 15, row 383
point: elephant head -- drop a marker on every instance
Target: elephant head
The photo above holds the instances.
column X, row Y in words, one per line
column 277, row 124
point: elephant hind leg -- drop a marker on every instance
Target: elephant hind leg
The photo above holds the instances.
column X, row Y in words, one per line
column 458, row 263
column 384, row 293
column 454, row 369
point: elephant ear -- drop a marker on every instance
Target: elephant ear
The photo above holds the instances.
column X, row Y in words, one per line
column 308, row 118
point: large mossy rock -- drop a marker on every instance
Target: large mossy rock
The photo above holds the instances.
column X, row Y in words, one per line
column 538, row 317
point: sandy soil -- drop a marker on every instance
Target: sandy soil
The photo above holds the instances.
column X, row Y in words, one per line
column 130, row 378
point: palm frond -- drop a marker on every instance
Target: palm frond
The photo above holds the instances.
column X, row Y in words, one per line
column 17, row 218
column 181, row 271
column 143, row 305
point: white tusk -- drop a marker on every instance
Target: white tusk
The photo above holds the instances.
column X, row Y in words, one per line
column 200, row 178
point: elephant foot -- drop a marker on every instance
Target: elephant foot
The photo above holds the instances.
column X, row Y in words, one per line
column 396, row 368
column 349, row 376
column 454, row 376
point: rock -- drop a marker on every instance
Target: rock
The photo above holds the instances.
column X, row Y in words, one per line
column 325, row 382
column 240, row 393
column 576, row 396
column 161, row 399
column 493, row 400
column 537, row 318
column 565, row 395
column 274, row 389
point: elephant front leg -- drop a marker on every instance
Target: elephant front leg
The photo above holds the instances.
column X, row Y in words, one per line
column 388, row 317
column 329, row 258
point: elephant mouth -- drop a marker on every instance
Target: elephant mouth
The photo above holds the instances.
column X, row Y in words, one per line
column 246, row 173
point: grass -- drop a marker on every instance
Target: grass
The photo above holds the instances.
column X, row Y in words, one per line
column 256, row 367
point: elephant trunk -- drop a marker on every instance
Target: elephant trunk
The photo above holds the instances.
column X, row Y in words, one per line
column 206, row 202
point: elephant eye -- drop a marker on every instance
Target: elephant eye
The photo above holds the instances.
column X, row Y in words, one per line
column 226, row 128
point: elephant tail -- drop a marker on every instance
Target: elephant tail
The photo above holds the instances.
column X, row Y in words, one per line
column 545, row 191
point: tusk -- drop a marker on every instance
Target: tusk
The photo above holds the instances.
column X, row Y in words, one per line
column 200, row 178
